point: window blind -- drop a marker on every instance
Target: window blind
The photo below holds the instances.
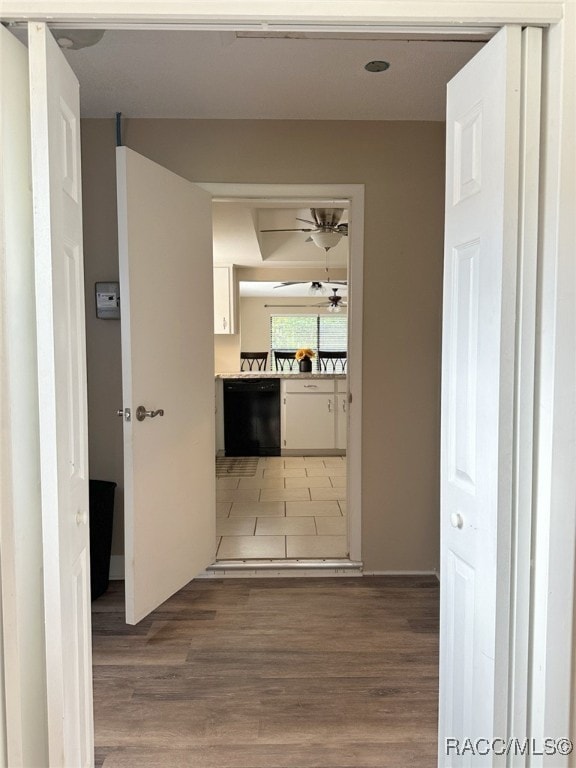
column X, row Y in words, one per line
column 291, row 332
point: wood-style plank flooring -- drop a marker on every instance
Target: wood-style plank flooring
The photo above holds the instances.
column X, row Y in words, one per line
column 270, row 673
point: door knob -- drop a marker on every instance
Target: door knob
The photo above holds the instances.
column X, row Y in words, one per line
column 456, row 520
column 142, row 413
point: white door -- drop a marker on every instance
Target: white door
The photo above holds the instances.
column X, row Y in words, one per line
column 478, row 400
column 165, row 249
column 57, row 195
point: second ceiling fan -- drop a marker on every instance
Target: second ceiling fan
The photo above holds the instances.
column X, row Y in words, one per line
column 317, row 287
column 335, row 303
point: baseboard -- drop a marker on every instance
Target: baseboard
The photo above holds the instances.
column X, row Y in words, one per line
column 238, row 569
column 402, row 573
column 117, row 568
column 244, row 570
column 313, row 452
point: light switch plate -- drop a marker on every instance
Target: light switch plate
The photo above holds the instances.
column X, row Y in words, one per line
column 108, row 301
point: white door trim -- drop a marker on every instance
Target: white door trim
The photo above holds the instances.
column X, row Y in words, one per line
column 556, row 372
column 553, row 597
column 344, row 15
column 355, row 194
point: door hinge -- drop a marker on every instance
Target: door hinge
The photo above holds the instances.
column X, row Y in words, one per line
column 349, row 397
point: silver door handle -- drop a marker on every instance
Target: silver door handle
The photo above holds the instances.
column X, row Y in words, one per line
column 142, row 413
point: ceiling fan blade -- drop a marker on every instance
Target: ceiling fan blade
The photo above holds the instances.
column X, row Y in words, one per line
column 306, row 221
column 284, row 285
column 336, row 282
column 287, row 230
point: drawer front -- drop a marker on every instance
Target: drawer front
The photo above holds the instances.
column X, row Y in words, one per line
column 309, row 385
column 341, row 385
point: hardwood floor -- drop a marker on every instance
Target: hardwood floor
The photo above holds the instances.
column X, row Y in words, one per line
column 270, row 673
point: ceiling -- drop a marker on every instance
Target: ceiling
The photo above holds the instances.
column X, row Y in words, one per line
column 229, row 75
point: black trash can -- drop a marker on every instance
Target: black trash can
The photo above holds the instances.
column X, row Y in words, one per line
column 101, row 519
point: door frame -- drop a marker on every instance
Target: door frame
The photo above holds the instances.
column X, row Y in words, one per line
column 354, row 194
column 552, row 599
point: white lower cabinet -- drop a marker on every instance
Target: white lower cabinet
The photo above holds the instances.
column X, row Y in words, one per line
column 309, row 421
column 310, row 415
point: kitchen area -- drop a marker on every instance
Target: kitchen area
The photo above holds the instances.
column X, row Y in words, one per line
column 281, row 424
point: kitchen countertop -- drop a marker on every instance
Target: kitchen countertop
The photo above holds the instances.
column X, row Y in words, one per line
column 278, row 375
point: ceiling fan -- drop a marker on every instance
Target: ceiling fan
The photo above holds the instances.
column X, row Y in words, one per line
column 335, row 303
column 326, row 231
column 317, row 288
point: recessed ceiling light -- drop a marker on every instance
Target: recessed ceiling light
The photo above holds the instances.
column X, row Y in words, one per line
column 377, row 66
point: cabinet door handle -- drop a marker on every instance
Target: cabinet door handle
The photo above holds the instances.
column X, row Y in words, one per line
column 329, row 406
column 224, row 323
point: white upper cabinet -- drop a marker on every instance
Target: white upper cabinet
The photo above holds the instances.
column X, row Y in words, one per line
column 225, row 300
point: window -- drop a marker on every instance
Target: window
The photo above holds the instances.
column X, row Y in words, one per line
column 326, row 332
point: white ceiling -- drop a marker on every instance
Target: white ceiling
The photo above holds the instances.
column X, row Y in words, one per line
column 186, row 74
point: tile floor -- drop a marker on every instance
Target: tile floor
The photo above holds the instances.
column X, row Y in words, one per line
column 294, row 507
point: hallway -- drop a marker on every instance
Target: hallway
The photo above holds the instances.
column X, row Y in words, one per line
column 270, row 673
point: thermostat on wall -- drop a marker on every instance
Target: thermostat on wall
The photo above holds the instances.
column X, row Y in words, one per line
column 108, row 301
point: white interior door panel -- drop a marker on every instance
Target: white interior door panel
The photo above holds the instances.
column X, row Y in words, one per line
column 165, row 244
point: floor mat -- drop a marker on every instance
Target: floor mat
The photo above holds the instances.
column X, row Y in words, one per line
column 228, row 466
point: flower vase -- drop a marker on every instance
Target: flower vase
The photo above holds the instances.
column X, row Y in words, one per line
column 305, row 365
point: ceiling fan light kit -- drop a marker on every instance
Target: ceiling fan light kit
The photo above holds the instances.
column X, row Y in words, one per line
column 326, row 240
column 317, row 289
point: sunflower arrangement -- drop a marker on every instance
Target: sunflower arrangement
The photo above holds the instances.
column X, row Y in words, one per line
column 301, row 354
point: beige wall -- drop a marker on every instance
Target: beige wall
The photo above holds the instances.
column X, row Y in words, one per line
column 401, row 165
column 226, row 352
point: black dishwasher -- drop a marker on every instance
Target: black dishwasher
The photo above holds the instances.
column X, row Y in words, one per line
column 252, row 417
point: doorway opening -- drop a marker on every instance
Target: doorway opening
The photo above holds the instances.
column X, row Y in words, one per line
column 281, row 438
